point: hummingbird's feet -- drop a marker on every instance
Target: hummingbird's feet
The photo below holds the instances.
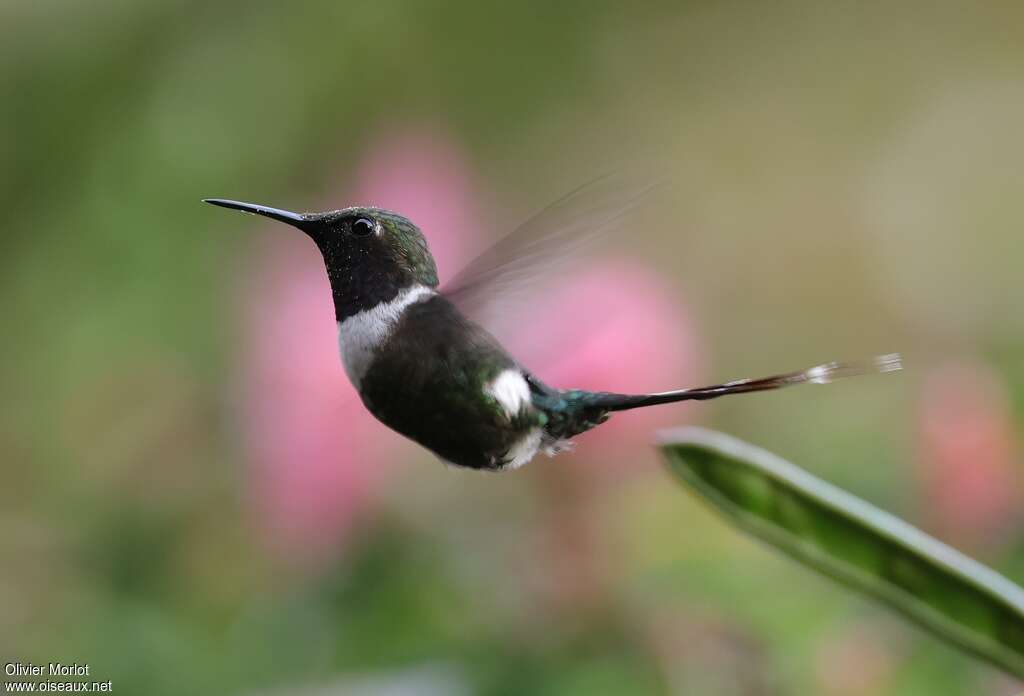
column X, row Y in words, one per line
column 556, row 447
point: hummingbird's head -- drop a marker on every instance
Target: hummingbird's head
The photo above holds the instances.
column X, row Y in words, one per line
column 371, row 254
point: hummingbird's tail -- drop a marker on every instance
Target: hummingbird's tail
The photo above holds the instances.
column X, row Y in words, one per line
column 820, row 374
column 572, row 412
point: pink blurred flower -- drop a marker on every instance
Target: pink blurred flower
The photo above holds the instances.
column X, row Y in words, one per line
column 967, row 455
column 316, row 455
column 426, row 178
column 312, row 449
column 613, row 326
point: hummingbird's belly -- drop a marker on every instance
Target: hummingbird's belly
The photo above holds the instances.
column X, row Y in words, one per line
column 444, row 382
column 465, row 422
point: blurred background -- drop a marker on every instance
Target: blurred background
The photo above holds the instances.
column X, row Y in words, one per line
column 192, row 500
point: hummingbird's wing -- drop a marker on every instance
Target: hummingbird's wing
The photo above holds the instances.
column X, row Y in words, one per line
column 501, row 277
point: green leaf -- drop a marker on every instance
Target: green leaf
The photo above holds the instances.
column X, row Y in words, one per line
column 850, row 540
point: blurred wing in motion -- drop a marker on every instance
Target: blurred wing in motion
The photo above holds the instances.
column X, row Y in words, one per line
column 499, row 278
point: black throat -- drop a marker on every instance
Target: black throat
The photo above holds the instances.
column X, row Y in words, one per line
column 362, row 277
column 367, row 269
column 358, row 291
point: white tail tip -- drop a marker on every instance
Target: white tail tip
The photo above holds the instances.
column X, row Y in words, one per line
column 890, row 362
column 830, row 372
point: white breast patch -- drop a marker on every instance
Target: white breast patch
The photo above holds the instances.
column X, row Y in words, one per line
column 361, row 334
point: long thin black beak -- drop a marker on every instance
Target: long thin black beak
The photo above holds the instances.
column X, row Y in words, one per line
column 295, row 219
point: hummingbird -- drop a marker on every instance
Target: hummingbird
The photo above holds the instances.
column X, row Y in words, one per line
column 424, row 364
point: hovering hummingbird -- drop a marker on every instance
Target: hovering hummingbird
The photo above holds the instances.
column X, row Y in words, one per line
column 424, row 365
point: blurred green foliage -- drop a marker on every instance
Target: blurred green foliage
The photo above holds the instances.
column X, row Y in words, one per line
column 850, row 187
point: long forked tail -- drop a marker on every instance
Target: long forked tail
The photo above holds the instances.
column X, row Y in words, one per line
column 820, row 374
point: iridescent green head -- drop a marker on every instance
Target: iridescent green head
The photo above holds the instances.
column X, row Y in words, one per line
column 371, row 254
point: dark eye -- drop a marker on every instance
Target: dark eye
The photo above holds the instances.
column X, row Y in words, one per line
column 363, row 226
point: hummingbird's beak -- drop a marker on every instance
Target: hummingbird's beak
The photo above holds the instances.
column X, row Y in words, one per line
column 294, row 219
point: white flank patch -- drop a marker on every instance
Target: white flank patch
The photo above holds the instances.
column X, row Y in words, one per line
column 524, row 450
column 361, row 334
column 510, row 390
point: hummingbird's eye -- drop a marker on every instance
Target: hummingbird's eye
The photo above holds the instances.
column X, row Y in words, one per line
column 363, row 226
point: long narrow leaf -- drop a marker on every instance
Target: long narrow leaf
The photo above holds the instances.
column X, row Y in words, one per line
column 851, row 541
